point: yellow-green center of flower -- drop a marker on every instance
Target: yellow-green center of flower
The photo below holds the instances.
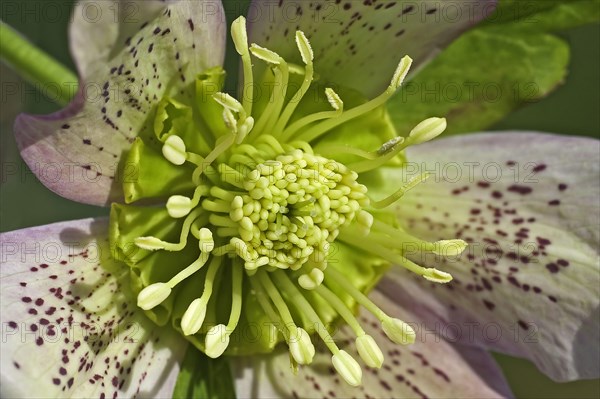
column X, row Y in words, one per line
column 259, row 230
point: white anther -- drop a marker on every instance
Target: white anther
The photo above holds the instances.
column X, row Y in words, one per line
column 149, row 243
column 153, row 295
column 230, row 120
column 334, row 100
column 369, row 351
column 398, row 331
column 178, row 206
column 389, row 145
column 228, row 101
column 239, row 35
column 401, row 72
column 206, row 242
column 449, row 247
column 192, row 319
column 347, row 367
column 265, row 54
column 301, row 347
column 311, row 280
column 174, row 150
column 437, row 276
column 245, row 128
column 427, row 130
column 304, row 47
column 217, row 340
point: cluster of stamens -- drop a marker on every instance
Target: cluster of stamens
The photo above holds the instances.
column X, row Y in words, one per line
column 268, row 207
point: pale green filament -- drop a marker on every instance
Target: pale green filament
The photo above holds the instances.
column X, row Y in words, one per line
column 339, row 278
column 341, row 308
column 381, row 159
column 316, row 131
column 330, row 148
column 391, row 256
column 236, row 297
column 152, row 243
column 188, row 271
column 275, row 110
column 400, row 192
column 305, row 307
column 307, row 58
column 240, row 40
column 277, row 300
column 193, row 317
column 338, row 109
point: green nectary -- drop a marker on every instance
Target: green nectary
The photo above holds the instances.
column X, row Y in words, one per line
column 266, row 230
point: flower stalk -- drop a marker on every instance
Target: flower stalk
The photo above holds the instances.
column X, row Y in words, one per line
column 36, row 66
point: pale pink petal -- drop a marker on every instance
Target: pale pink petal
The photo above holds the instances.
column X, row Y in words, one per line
column 76, row 152
column 527, row 285
column 359, row 43
column 69, row 326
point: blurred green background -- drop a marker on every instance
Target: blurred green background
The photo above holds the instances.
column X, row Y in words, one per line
column 572, row 109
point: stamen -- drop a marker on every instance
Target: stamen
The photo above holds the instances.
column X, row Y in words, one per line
column 153, row 243
column 413, row 182
column 399, row 331
column 345, row 365
column 240, row 40
column 230, row 103
column 371, row 246
column 307, row 57
column 222, row 145
column 217, row 338
column 154, row 294
column 316, row 131
column 265, row 54
column 174, row 151
column 449, row 247
column 367, row 348
column 338, row 108
column 427, row 130
column 301, row 347
column 369, row 351
column 193, row 317
column 179, row 206
column 385, row 153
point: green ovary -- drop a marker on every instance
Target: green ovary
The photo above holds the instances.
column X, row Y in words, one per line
column 264, row 233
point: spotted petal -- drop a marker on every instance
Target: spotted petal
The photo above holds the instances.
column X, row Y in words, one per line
column 429, row 368
column 359, row 43
column 129, row 57
column 528, row 283
column 68, row 327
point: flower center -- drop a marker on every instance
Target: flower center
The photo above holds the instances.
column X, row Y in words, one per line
column 282, row 235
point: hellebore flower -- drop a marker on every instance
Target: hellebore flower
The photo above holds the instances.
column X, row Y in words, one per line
column 267, row 219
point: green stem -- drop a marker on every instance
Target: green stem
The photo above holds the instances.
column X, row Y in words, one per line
column 38, row 68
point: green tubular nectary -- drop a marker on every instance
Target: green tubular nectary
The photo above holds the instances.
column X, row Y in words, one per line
column 261, row 237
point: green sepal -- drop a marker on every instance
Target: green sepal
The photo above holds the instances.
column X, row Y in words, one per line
column 203, row 377
column 208, row 83
column 128, row 222
column 173, row 117
column 152, row 176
